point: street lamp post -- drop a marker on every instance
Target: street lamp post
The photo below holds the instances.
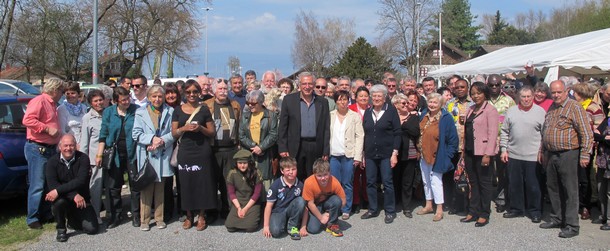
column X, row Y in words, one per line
column 95, row 59
column 207, row 9
column 417, row 13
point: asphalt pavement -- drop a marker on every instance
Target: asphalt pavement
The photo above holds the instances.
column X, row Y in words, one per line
column 417, row 233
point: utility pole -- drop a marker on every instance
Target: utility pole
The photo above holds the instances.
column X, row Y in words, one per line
column 95, row 75
column 418, row 10
column 207, row 9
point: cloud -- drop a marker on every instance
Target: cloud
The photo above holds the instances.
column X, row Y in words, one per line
column 265, row 19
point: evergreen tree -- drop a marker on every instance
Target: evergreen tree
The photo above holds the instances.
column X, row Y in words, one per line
column 362, row 60
column 505, row 34
column 458, row 26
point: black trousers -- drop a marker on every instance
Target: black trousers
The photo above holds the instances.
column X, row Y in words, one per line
column 603, row 188
column 562, row 183
column 584, row 185
column 524, row 188
column 454, row 200
column 224, row 163
column 501, row 196
column 305, row 158
column 405, row 175
column 113, row 181
column 83, row 219
column 480, row 185
column 168, row 200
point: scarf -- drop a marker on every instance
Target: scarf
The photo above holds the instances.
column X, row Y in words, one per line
column 585, row 103
column 74, row 110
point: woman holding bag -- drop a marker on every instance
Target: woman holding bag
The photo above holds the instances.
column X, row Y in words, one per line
column 116, row 131
column 193, row 124
column 153, row 136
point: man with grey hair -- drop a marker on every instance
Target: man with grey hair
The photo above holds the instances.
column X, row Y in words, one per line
column 237, row 92
column 226, row 114
column 42, row 133
column 343, row 84
column 567, row 139
column 304, row 130
column 269, row 81
column 320, row 90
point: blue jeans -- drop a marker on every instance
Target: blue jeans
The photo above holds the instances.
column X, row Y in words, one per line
column 381, row 167
column 332, row 205
column 36, row 179
column 343, row 169
column 281, row 222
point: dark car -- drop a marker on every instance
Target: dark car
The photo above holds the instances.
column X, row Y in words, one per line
column 13, row 166
column 17, row 87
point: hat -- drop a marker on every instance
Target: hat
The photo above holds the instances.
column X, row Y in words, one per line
column 242, row 155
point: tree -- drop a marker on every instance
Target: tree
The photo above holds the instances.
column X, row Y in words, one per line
column 362, row 60
column 317, row 45
column 458, row 26
column 138, row 28
column 7, row 8
column 399, row 21
column 498, row 26
column 233, row 64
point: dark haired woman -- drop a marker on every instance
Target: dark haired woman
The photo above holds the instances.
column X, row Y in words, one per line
column 244, row 185
column 71, row 111
column 480, row 146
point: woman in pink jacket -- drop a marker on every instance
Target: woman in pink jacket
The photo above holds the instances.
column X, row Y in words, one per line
column 480, row 146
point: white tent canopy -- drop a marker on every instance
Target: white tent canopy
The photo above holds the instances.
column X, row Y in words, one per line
column 585, row 54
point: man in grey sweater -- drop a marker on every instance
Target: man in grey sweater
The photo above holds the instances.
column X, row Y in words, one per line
column 520, row 139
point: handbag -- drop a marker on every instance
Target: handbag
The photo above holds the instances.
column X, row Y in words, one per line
column 108, row 156
column 461, row 178
column 142, row 177
column 173, row 161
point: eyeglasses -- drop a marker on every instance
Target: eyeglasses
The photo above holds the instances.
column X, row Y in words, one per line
column 191, row 92
column 320, row 87
column 251, row 103
column 493, row 85
column 391, row 86
column 509, row 87
column 136, row 86
column 403, row 103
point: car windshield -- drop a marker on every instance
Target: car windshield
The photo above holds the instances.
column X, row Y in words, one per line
column 27, row 88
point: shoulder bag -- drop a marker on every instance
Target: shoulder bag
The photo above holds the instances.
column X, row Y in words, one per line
column 142, row 177
column 109, row 152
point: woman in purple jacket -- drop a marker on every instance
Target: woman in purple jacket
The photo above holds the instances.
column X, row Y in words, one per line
column 480, row 143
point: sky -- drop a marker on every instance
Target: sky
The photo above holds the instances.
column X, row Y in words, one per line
column 260, row 32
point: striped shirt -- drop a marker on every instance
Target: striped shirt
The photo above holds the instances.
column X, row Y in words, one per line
column 566, row 127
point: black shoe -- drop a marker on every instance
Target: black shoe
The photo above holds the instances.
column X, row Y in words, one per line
column 536, row 219
column 509, row 215
column 500, row 209
column 481, row 224
column 550, row 224
column 356, row 209
column 135, row 221
column 62, row 236
column 468, row 219
column 604, row 227
column 598, row 221
column 452, row 212
column 389, row 218
column 567, row 233
column 369, row 215
column 407, row 213
column 35, row 225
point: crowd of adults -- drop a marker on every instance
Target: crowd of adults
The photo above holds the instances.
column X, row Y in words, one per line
column 462, row 146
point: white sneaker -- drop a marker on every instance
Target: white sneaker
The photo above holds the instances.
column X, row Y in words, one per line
column 145, row 227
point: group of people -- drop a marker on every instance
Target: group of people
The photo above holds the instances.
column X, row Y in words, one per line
column 321, row 149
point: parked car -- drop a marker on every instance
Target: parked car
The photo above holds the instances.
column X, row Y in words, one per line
column 17, row 87
column 13, row 166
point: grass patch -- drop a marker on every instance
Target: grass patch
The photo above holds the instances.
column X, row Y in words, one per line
column 13, row 230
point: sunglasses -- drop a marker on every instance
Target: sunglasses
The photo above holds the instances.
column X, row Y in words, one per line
column 136, row 86
column 191, row 92
column 403, row 103
column 320, row 87
column 509, row 87
column 392, row 86
column 493, row 85
column 251, row 103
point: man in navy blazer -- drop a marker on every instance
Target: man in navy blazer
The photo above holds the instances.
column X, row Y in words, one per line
column 304, row 129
